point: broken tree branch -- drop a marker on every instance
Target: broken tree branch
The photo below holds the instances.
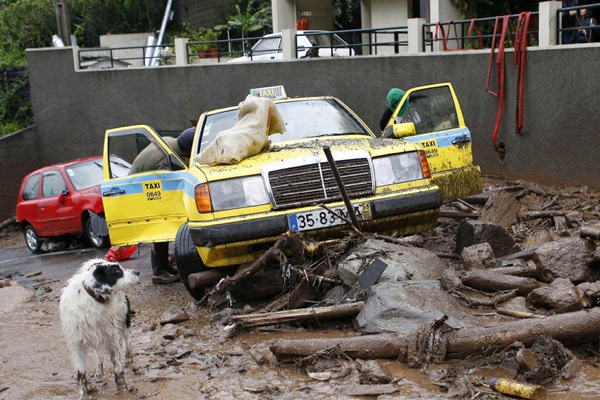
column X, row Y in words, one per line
column 304, row 314
column 493, row 281
column 580, row 326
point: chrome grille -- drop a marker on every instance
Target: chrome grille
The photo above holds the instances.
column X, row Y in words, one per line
column 315, row 183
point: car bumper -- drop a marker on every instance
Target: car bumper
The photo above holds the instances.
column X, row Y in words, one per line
column 383, row 211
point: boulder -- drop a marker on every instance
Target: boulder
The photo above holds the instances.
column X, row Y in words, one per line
column 472, row 232
column 403, row 262
column 477, row 256
column 398, row 307
column 561, row 296
column 565, row 258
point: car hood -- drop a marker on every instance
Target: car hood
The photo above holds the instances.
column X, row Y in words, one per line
column 281, row 153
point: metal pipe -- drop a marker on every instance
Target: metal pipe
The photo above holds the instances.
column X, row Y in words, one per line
column 338, row 179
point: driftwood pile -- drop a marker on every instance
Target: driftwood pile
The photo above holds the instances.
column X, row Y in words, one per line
column 524, row 253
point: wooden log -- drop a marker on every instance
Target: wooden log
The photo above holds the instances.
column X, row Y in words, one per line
column 492, row 281
column 303, row 314
column 202, row 279
column 590, row 231
column 523, row 254
column 458, row 214
column 545, row 214
column 528, row 270
column 7, row 222
column 575, row 327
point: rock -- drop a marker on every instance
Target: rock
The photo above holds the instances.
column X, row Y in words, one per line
column 590, row 231
column 370, row 372
column 561, row 296
column 502, row 209
column 477, row 256
column 170, row 332
column 594, row 259
column 401, row 306
column 174, row 315
column 472, row 232
column 403, row 262
column 518, row 304
column 565, row 258
column 527, row 360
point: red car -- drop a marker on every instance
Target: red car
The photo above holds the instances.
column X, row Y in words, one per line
column 64, row 200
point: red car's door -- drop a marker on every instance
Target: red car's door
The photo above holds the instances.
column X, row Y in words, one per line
column 56, row 205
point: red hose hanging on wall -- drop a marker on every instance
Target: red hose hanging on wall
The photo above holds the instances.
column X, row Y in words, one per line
column 499, row 76
column 519, row 58
column 520, row 51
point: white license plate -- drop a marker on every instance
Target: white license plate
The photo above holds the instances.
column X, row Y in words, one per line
column 323, row 218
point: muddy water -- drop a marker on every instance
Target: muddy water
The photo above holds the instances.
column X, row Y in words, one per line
column 194, row 359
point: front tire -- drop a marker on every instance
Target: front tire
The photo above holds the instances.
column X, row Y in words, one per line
column 99, row 242
column 32, row 239
column 188, row 260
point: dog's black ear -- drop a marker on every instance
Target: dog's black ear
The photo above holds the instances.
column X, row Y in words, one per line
column 107, row 273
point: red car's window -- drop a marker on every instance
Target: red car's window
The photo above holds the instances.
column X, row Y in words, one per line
column 52, row 184
column 31, row 188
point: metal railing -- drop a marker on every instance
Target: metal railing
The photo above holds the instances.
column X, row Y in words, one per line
column 373, row 40
column 123, row 57
column 477, row 33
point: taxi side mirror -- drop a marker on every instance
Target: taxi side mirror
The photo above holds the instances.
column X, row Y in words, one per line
column 404, row 129
column 400, row 130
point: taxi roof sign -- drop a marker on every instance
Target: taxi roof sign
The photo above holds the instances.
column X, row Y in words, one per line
column 270, row 92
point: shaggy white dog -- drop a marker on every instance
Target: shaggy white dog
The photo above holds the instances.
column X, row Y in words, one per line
column 95, row 315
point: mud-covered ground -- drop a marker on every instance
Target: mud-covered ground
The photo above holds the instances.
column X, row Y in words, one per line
column 194, row 359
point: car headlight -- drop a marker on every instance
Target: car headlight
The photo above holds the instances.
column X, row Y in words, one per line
column 400, row 168
column 237, row 193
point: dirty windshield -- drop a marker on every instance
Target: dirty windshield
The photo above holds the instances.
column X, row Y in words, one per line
column 303, row 119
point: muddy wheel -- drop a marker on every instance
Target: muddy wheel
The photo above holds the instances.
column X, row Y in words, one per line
column 99, row 242
column 188, row 260
column 32, row 239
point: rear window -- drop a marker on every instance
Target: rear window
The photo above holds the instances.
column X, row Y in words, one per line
column 31, row 188
column 267, row 45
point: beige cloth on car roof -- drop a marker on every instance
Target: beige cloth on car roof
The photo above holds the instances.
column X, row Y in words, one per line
column 257, row 119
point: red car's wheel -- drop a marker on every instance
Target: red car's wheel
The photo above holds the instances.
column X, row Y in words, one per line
column 32, row 239
column 99, row 242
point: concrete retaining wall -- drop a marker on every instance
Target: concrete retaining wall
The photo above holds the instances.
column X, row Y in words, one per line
column 558, row 144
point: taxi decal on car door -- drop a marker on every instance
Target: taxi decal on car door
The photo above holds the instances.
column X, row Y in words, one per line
column 144, row 206
column 431, row 117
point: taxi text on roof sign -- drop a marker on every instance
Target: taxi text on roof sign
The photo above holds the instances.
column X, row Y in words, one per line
column 270, row 92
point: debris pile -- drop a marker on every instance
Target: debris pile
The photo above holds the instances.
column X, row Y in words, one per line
column 513, row 271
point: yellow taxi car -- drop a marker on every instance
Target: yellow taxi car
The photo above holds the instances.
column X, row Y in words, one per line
column 223, row 215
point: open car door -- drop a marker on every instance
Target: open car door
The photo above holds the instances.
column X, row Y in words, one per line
column 431, row 116
column 146, row 206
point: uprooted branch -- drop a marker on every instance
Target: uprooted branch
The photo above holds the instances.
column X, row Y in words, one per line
column 290, row 241
column 578, row 326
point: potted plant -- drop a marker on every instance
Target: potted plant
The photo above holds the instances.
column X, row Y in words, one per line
column 203, row 40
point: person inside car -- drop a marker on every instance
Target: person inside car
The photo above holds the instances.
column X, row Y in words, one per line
column 392, row 100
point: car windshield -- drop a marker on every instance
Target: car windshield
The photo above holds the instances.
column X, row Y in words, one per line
column 307, row 118
column 89, row 173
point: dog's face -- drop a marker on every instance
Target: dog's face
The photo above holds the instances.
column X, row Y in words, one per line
column 105, row 277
